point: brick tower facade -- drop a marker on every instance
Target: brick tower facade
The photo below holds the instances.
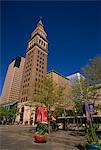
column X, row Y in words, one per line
column 35, row 67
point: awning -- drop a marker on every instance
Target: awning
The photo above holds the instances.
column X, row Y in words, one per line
column 10, row 103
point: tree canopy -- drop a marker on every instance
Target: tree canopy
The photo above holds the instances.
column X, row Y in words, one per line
column 88, row 87
column 92, row 71
column 50, row 93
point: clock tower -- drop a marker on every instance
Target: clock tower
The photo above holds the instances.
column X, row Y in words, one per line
column 35, row 68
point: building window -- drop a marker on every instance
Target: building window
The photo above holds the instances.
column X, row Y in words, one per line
column 22, row 100
column 39, row 41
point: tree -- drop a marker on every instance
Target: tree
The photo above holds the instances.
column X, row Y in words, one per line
column 12, row 114
column 8, row 114
column 88, row 88
column 77, row 96
column 48, row 92
column 92, row 71
column 2, row 111
column 92, row 83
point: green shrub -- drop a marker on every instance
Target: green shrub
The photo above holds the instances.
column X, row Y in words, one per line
column 42, row 128
column 90, row 134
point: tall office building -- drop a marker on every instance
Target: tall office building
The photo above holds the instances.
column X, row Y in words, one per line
column 35, row 63
column 11, row 88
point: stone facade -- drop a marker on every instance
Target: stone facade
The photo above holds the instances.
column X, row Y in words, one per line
column 26, row 113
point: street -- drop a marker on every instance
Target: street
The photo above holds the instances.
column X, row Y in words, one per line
column 21, row 138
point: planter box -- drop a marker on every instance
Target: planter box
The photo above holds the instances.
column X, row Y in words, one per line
column 40, row 138
column 93, row 147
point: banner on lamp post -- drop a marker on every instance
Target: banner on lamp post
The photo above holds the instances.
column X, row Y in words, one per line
column 45, row 115
column 39, row 114
column 42, row 114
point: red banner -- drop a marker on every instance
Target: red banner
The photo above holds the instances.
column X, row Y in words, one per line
column 39, row 114
column 42, row 114
column 45, row 115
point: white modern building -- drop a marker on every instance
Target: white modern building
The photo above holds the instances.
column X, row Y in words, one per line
column 76, row 77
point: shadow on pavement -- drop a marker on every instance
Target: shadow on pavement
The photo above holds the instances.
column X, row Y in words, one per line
column 80, row 147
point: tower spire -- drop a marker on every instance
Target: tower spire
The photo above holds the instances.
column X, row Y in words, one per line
column 40, row 22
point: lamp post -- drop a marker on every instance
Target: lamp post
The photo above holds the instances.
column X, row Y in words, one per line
column 75, row 115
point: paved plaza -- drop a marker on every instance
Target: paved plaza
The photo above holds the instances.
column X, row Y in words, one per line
column 21, row 138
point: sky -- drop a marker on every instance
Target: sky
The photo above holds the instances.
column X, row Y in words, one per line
column 73, row 29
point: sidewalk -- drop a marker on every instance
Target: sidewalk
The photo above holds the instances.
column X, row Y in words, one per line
column 62, row 137
column 53, row 146
column 65, row 138
column 59, row 140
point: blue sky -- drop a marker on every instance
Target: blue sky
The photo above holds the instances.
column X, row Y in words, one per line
column 73, row 28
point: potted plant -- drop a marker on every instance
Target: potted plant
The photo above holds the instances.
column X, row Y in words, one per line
column 91, row 138
column 41, row 133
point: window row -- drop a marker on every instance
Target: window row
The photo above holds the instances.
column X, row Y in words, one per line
column 31, row 42
column 40, row 62
column 26, row 85
column 37, row 69
column 24, row 99
column 41, row 53
column 26, row 75
column 28, row 70
column 29, row 53
column 40, row 58
column 27, row 66
column 26, row 80
column 29, row 61
column 42, row 43
column 29, row 58
column 39, row 77
column 40, row 66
